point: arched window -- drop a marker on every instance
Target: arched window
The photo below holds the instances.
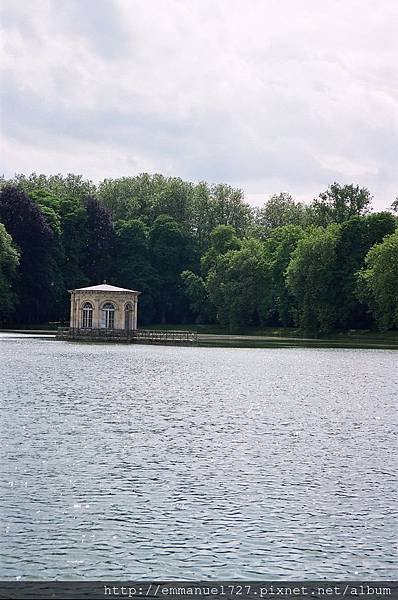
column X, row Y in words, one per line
column 87, row 315
column 128, row 316
column 109, row 315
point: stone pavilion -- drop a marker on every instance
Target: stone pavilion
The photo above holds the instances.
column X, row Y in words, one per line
column 103, row 307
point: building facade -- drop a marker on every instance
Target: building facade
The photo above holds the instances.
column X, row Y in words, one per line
column 103, row 307
column 106, row 313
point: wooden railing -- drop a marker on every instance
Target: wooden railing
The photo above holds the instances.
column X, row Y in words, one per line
column 143, row 336
column 164, row 336
column 91, row 334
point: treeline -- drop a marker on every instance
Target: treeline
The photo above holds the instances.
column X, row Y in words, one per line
column 198, row 253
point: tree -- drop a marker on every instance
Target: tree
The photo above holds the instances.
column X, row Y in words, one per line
column 278, row 303
column 119, row 196
column 133, row 267
column 311, row 277
column 378, row 282
column 191, row 249
column 174, row 199
column 97, row 259
column 278, row 211
column 355, row 237
column 202, row 220
column 340, row 202
column 236, row 284
column 195, row 290
column 172, row 250
column 71, row 186
column 9, row 260
column 75, row 235
column 223, row 238
column 49, row 207
column 146, row 197
column 34, row 238
column 227, row 207
column 321, row 274
column 197, row 209
column 394, row 205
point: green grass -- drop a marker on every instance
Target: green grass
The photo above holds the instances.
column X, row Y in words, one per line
column 219, row 330
column 51, row 326
column 266, row 337
column 279, row 337
column 276, row 332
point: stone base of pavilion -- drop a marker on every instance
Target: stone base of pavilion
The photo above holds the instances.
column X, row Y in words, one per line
column 137, row 336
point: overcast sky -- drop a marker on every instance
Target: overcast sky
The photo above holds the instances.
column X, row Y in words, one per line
column 269, row 96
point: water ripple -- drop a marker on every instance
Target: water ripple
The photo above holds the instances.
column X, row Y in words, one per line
column 189, row 463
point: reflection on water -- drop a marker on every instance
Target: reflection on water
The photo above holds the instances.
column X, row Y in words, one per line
column 187, row 463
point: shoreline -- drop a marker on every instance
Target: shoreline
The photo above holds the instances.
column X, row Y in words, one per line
column 375, row 341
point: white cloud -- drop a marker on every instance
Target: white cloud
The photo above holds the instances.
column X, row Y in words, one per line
column 267, row 96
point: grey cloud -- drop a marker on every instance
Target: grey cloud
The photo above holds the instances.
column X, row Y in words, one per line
column 224, row 96
column 12, row 18
column 97, row 21
column 27, row 117
column 209, row 144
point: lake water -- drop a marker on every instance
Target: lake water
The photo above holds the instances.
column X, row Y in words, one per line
column 148, row 462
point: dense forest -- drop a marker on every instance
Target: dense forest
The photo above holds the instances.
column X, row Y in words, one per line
column 198, row 253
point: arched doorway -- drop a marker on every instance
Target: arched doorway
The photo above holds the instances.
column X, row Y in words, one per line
column 108, row 311
column 87, row 315
column 128, row 317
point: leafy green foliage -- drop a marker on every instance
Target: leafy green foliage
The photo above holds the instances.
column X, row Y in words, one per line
column 223, row 238
column 236, row 283
column 278, row 303
column 197, row 208
column 195, row 290
column 339, row 203
column 355, row 238
column 9, row 261
column 134, row 268
column 311, row 277
column 146, row 197
column 378, row 282
column 278, row 211
column 74, row 226
column 71, row 186
column 172, row 250
column 198, row 252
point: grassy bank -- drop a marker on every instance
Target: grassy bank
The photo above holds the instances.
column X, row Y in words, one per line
column 268, row 337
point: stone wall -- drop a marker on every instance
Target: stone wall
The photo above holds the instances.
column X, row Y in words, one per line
column 97, row 300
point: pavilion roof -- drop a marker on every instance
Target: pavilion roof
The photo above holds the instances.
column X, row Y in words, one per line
column 104, row 287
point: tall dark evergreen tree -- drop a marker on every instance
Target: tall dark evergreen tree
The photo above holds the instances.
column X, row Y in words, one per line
column 97, row 259
column 34, row 238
